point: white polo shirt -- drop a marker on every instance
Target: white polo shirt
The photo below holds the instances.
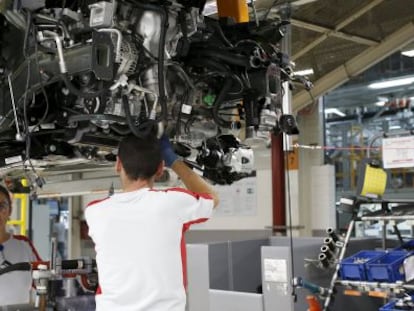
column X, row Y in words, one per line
column 15, row 286
column 140, row 248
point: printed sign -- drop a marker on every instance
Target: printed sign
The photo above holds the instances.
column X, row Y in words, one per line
column 398, row 152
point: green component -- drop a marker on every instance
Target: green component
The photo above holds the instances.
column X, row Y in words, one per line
column 209, row 99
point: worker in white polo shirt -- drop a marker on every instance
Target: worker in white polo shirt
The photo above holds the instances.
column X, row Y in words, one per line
column 15, row 287
column 138, row 234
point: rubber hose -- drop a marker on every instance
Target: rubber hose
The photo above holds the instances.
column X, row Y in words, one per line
column 120, row 129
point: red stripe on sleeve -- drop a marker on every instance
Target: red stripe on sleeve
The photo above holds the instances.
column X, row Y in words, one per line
column 98, row 290
column 194, row 194
column 186, row 226
column 96, row 201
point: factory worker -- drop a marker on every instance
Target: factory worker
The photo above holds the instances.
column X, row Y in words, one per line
column 138, row 234
column 15, row 287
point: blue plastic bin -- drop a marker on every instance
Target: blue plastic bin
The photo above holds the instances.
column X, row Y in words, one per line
column 407, row 246
column 354, row 267
column 388, row 307
column 387, row 268
column 391, row 307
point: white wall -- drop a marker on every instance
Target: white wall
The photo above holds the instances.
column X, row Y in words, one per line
column 263, row 212
column 323, row 197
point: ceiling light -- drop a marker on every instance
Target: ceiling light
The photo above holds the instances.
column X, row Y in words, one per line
column 382, row 98
column 380, row 104
column 335, row 111
column 304, row 72
column 391, row 83
column 409, row 53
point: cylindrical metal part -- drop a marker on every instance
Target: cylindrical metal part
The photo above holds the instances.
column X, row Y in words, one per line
column 332, row 234
column 330, row 243
column 325, row 250
column 323, row 260
column 72, row 264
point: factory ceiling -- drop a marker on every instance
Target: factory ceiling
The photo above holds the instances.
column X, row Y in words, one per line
column 340, row 40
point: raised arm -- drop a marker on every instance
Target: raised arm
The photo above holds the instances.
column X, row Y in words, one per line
column 191, row 180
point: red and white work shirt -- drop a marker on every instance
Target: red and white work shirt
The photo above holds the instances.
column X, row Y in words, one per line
column 15, row 287
column 140, row 248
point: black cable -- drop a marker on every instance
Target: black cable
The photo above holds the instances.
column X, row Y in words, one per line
column 20, row 266
column 120, row 129
column 290, row 230
column 27, row 87
column 26, row 33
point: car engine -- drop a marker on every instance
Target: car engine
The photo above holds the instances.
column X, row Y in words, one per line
column 77, row 76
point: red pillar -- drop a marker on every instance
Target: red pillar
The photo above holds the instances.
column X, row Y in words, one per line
column 278, row 183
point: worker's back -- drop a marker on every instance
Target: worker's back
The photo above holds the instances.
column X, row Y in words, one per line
column 138, row 239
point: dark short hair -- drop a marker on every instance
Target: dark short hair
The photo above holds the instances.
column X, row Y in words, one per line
column 6, row 193
column 140, row 157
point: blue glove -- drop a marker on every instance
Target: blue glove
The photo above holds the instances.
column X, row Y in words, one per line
column 167, row 151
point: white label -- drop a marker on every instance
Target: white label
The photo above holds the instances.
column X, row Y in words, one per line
column 275, row 270
column 186, row 109
column 14, row 159
column 398, row 152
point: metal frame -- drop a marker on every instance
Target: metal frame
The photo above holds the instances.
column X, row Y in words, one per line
column 356, row 65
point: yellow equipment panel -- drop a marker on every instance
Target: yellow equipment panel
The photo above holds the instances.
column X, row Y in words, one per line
column 236, row 9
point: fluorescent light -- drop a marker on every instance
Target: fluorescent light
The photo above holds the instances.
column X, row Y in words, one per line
column 394, row 127
column 409, row 53
column 382, row 98
column 304, row 72
column 335, row 111
column 391, row 83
